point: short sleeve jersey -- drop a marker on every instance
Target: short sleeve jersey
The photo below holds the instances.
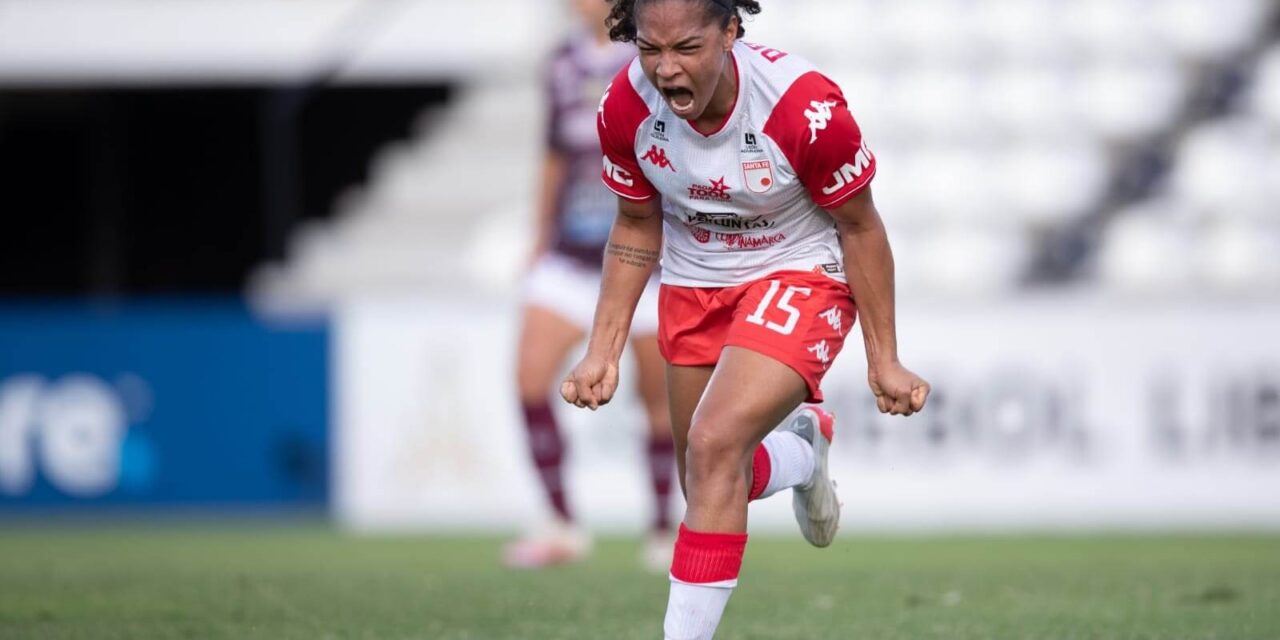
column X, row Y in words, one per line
column 746, row 200
column 577, row 73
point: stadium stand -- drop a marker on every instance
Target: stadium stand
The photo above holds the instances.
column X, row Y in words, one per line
column 1002, row 126
column 1215, row 216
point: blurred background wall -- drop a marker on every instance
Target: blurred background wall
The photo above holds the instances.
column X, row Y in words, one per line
column 291, row 234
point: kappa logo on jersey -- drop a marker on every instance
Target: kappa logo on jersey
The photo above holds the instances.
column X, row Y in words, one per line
column 617, row 174
column 659, row 158
column 719, row 190
column 849, row 173
column 759, row 175
column 818, row 117
column 730, row 221
column 600, row 109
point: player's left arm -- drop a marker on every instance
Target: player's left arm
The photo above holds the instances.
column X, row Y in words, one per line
column 868, row 265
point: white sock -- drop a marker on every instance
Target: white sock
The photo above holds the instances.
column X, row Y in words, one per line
column 694, row 610
column 790, row 462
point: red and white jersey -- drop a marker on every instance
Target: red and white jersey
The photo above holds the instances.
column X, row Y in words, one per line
column 746, row 200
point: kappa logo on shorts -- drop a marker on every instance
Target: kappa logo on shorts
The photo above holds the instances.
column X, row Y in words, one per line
column 658, row 157
column 719, row 190
column 833, row 318
column 822, row 351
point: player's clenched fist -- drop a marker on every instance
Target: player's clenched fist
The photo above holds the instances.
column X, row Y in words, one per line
column 898, row 391
column 591, row 383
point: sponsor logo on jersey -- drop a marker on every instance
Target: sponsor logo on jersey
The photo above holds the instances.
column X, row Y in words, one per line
column 617, row 174
column 772, row 55
column 758, row 176
column 850, row 172
column 819, row 115
column 751, row 143
column 742, row 241
column 702, row 236
column 728, row 221
column 719, row 190
column 658, row 157
column 659, row 131
column 829, row 268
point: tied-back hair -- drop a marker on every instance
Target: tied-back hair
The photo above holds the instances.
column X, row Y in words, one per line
column 622, row 18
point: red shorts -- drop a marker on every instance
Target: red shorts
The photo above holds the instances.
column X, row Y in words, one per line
column 795, row 317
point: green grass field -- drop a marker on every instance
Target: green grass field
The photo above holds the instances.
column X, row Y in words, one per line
column 308, row 582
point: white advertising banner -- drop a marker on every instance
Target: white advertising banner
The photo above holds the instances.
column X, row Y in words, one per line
column 1048, row 413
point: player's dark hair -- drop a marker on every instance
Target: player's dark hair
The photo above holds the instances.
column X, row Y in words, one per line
column 622, row 18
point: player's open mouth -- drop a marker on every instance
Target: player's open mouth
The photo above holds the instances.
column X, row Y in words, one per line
column 680, row 100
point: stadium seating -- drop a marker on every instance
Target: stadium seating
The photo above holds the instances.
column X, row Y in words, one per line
column 995, row 122
column 1221, row 200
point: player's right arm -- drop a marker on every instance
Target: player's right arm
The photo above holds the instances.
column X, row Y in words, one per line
column 635, row 244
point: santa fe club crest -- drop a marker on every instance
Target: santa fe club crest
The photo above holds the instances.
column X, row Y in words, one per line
column 759, row 175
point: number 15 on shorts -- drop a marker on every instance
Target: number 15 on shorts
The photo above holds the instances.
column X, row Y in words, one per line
column 784, row 305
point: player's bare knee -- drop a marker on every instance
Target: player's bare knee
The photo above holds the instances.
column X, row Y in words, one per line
column 714, row 451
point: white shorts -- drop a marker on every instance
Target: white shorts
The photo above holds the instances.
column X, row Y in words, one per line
column 570, row 289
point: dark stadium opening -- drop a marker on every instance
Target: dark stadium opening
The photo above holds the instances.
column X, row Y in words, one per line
column 132, row 190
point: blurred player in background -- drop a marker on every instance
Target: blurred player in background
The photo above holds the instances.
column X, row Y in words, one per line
column 742, row 167
column 575, row 213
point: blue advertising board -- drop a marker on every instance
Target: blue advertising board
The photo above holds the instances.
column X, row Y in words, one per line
column 191, row 403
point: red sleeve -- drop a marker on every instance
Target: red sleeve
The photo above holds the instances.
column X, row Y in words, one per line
column 621, row 113
column 813, row 127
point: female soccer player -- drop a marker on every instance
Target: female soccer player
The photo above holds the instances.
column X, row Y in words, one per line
column 742, row 166
column 574, row 215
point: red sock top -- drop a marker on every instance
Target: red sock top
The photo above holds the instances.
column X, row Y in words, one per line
column 702, row 558
column 761, row 468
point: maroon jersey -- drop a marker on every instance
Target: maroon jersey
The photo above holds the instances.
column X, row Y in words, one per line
column 576, row 78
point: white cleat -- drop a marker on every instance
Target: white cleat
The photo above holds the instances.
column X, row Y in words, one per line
column 658, row 549
column 816, row 505
column 557, row 544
